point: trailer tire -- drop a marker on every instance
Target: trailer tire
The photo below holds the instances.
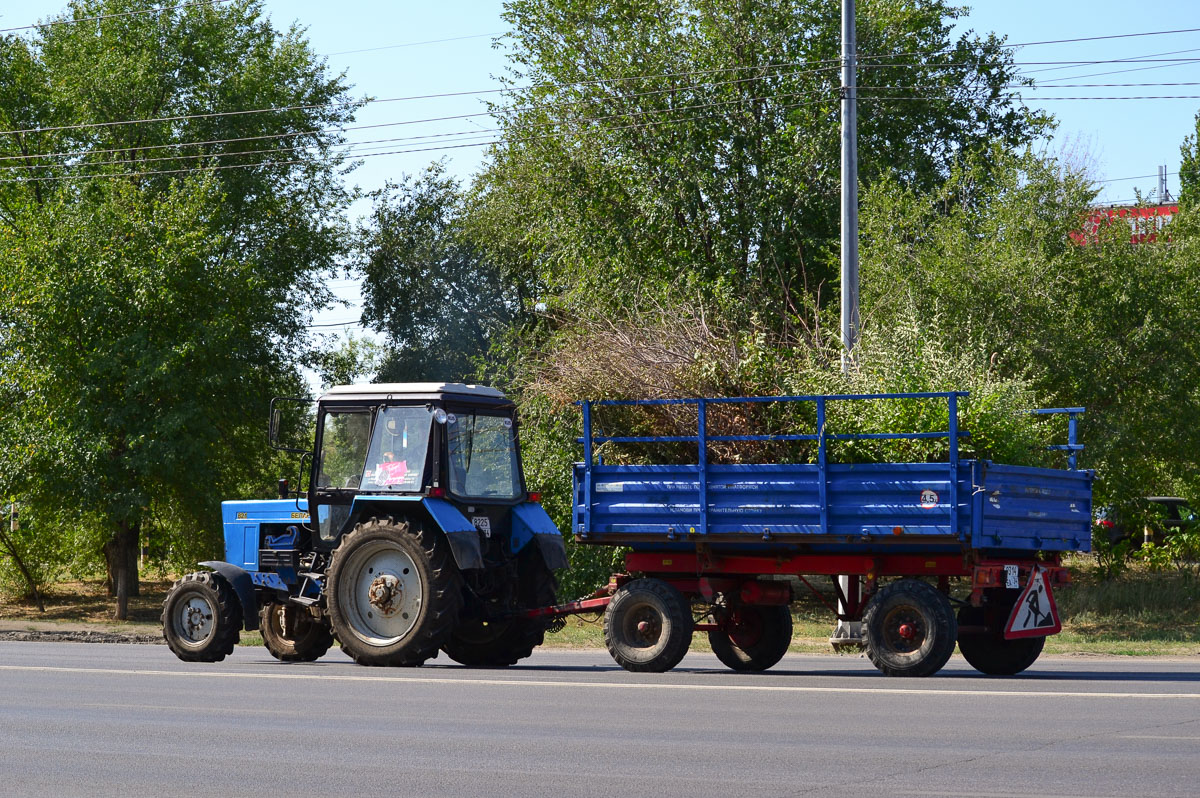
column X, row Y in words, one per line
column 989, row 652
column 909, row 628
column 201, row 617
column 496, row 644
column 310, row 637
column 394, row 593
column 648, row 626
column 752, row 637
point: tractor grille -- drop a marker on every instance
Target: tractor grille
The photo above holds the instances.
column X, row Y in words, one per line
column 275, row 559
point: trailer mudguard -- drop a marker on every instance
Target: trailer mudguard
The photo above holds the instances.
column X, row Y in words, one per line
column 530, row 521
column 460, row 532
column 243, row 587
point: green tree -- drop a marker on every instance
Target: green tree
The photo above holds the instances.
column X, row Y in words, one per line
column 157, row 282
column 1107, row 324
column 651, row 144
column 429, row 286
column 1189, row 168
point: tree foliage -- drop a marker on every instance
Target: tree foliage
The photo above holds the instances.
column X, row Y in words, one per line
column 649, row 144
column 155, row 299
column 429, row 285
column 991, row 264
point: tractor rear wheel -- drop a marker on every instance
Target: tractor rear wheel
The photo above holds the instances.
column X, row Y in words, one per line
column 648, row 626
column 988, row 651
column 394, row 593
column 201, row 617
column 751, row 637
column 292, row 634
column 497, row 643
column 909, row 628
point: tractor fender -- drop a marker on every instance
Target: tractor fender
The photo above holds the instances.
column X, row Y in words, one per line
column 243, row 587
column 531, row 522
column 460, row 533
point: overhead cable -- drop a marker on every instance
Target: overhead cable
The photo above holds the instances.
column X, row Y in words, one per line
column 113, row 16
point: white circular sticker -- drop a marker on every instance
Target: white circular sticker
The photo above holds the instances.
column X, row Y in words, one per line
column 929, row 499
column 451, row 419
column 507, row 422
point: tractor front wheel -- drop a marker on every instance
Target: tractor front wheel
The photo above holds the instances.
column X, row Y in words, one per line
column 292, row 634
column 394, row 593
column 201, row 617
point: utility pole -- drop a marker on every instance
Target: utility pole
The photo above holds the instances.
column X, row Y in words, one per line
column 849, row 633
column 849, row 188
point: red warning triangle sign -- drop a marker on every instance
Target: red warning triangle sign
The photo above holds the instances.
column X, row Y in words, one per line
column 1035, row 613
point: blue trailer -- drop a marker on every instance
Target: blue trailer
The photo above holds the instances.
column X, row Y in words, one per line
column 964, row 551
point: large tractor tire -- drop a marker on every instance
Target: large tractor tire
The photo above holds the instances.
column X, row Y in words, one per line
column 201, row 617
column 503, row 642
column 988, row 651
column 394, row 593
column 292, row 634
column 909, row 628
column 751, row 638
column 648, row 626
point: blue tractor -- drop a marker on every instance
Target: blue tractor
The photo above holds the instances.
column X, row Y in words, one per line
column 416, row 534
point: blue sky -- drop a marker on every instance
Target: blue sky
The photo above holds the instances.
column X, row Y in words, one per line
column 398, row 50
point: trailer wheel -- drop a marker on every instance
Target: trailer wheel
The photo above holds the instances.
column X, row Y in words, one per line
column 479, row 643
column 989, row 652
column 909, row 628
column 648, row 626
column 309, row 639
column 394, row 593
column 751, row 638
column 201, row 617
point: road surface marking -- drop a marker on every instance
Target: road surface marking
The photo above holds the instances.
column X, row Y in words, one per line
column 730, row 688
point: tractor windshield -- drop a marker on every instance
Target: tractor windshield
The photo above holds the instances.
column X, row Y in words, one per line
column 483, row 456
column 343, row 448
column 396, row 461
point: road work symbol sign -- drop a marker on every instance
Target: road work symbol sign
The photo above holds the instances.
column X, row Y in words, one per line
column 1035, row 613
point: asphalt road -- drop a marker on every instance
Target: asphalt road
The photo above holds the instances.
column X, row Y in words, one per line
column 99, row 720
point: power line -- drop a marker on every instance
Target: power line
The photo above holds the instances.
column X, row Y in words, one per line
column 350, row 103
column 112, row 16
column 341, row 156
column 274, row 109
column 495, row 112
column 1100, row 38
column 1135, row 177
column 1051, row 99
column 356, row 323
column 415, row 44
column 1130, row 60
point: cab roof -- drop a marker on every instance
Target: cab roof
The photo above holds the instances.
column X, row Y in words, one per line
column 412, row 390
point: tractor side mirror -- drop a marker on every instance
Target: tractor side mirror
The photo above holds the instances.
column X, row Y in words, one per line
column 275, row 423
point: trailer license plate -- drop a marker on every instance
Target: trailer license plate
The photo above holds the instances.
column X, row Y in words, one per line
column 1011, row 576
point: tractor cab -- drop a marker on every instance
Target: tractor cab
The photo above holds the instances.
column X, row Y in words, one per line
column 380, row 445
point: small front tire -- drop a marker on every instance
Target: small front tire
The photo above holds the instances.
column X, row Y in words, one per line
column 648, row 626
column 292, row 634
column 201, row 617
